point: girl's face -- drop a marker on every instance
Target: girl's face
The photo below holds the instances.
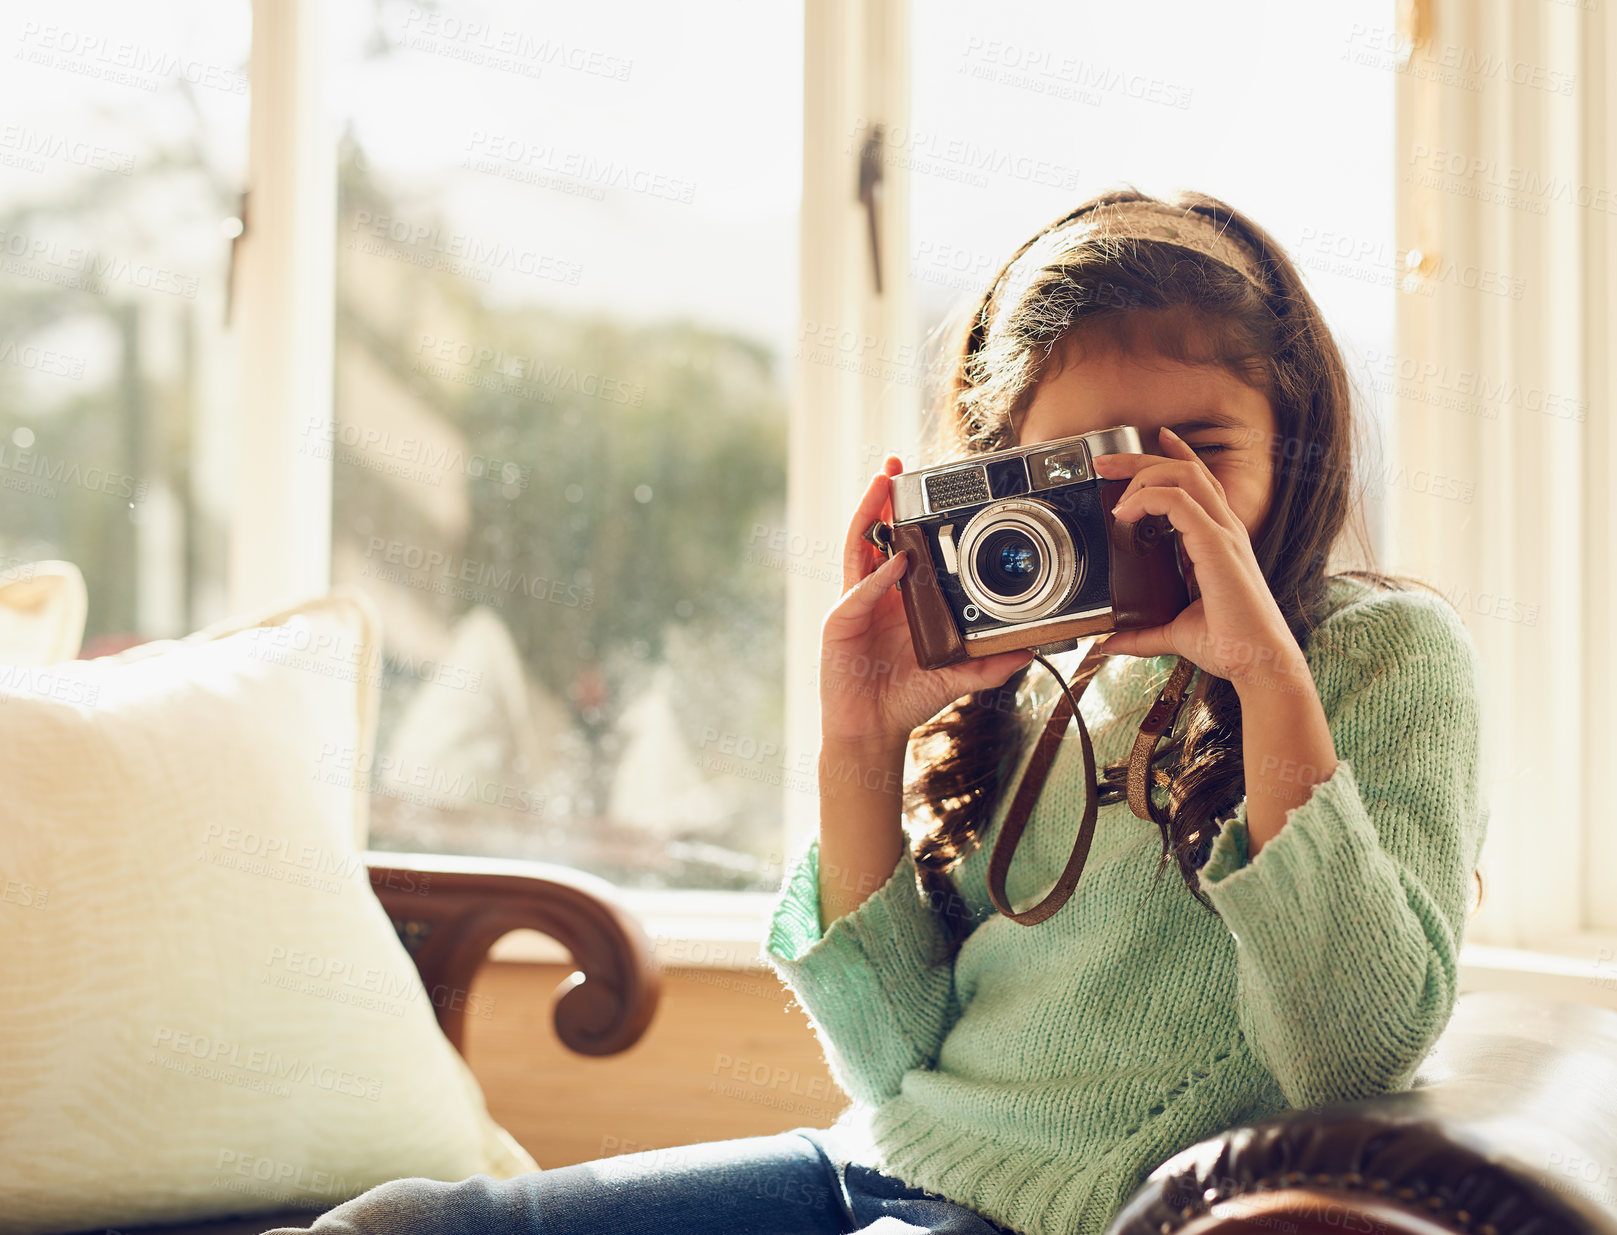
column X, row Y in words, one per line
column 1229, row 424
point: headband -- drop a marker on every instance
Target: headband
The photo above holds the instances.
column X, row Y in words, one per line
column 1138, row 220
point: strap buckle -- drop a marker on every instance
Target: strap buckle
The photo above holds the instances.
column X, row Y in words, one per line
column 880, row 534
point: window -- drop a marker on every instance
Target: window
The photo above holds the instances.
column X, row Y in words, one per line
column 122, row 150
column 586, row 385
column 566, row 289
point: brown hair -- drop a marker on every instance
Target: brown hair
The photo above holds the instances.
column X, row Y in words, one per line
column 1146, row 293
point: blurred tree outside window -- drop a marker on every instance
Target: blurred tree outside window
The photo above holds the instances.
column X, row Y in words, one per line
column 123, row 137
column 566, row 288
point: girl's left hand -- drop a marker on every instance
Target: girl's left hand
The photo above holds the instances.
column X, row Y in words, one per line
column 1234, row 629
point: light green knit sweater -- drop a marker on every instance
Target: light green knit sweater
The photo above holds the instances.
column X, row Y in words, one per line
column 1046, row 1071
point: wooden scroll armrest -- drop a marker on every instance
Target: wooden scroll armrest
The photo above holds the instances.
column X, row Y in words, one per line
column 449, row 911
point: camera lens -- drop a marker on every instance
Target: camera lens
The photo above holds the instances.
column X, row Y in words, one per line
column 1008, row 562
column 1019, row 561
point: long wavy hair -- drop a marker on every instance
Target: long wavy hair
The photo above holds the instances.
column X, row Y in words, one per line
column 1145, row 294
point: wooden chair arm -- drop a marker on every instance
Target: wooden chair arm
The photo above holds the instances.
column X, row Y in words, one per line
column 450, row 910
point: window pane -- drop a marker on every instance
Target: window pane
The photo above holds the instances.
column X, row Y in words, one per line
column 1284, row 111
column 566, row 288
column 123, row 138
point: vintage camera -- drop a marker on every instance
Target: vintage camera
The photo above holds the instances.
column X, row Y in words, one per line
column 1018, row 549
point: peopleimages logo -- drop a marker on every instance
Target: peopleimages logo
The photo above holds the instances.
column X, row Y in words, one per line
column 952, row 157
column 1467, row 390
column 481, row 42
column 120, row 61
column 41, row 359
column 1489, row 179
column 499, row 153
column 434, row 353
column 494, row 254
column 423, row 783
column 416, row 458
column 37, row 146
column 398, row 560
column 18, row 680
column 259, row 1176
column 76, row 266
column 257, row 1067
column 1047, row 70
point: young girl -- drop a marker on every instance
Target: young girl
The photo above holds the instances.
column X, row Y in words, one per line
column 1318, row 798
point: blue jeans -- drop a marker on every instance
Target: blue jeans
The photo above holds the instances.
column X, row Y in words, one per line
column 792, row 1183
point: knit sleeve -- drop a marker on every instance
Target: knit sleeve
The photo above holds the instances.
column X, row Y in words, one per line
column 873, row 984
column 1348, row 922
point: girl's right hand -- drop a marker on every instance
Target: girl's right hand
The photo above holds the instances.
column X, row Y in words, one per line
column 873, row 693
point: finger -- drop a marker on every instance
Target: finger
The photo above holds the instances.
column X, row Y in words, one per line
column 1132, row 467
column 852, row 611
column 1121, row 466
column 1151, row 641
column 1202, row 535
column 1175, row 446
column 966, row 678
column 891, row 466
column 992, row 671
column 1116, row 467
column 1194, row 480
column 856, row 550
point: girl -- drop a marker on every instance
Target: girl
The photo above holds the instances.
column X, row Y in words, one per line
column 1318, row 799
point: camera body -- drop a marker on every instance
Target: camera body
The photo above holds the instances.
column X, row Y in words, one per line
column 1017, row 548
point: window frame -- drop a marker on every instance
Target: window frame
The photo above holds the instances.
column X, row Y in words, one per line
column 284, row 290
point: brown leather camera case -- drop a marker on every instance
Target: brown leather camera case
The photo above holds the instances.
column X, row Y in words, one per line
column 1147, row 589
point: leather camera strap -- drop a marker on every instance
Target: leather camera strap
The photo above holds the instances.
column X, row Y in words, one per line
column 1158, row 720
column 1027, row 792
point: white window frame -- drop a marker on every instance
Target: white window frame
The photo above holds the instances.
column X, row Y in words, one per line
column 845, row 416
column 285, row 297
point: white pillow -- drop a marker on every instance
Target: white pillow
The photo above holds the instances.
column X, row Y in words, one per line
column 206, row 1010
column 42, row 608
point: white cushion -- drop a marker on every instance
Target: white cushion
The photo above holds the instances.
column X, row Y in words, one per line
column 206, row 1010
column 42, row 608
